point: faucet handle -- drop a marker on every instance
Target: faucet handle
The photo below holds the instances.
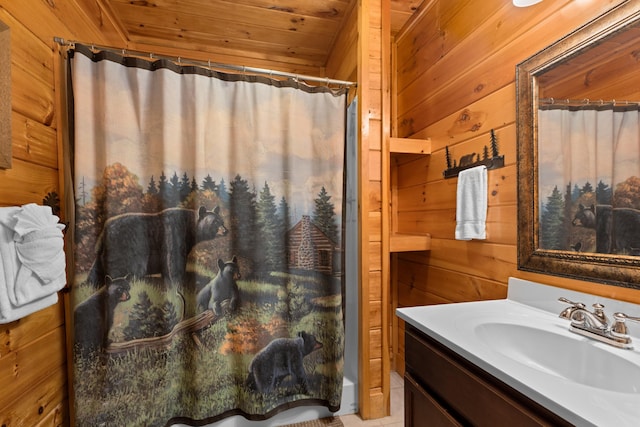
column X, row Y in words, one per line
column 619, row 327
column 568, row 312
column 598, row 311
column 574, row 304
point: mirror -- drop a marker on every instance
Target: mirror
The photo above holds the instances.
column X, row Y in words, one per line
column 578, row 128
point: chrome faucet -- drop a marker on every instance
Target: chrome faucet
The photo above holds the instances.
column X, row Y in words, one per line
column 596, row 324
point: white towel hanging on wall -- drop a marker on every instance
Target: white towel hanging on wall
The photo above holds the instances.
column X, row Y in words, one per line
column 471, row 204
column 32, row 264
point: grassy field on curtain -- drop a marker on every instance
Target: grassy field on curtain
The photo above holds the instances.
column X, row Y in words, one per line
column 147, row 387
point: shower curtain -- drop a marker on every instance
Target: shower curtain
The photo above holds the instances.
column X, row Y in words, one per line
column 208, row 242
column 589, row 177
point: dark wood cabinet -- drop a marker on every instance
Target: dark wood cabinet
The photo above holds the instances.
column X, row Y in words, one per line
column 444, row 389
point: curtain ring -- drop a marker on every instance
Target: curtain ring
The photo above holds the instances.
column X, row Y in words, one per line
column 553, row 101
column 586, row 101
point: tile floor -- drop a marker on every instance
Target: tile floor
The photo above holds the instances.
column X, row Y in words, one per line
column 396, row 419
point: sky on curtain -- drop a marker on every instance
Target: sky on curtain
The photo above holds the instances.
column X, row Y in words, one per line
column 578, row 147
column 208, row 132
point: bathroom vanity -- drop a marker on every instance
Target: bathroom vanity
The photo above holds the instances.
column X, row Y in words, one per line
column 446, row 389
column 515, row 362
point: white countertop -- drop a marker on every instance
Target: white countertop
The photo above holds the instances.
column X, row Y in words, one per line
column 533, row 304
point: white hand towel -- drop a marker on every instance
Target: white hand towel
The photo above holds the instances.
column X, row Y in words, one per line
column 32, row 260
column 40, row 249
column 9, row 312
column 471, row 208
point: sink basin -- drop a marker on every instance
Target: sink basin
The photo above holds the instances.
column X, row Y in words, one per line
column 575, row 359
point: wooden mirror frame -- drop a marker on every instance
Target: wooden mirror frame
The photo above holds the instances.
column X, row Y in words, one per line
column 603, row 268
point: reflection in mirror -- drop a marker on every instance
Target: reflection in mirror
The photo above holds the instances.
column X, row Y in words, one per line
column 579, row 153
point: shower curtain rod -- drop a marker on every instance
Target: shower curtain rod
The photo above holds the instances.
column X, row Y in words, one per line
column 208, row 64
column 587, row 101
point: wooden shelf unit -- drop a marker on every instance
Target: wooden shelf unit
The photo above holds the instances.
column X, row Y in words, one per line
column 400, row 242
column 410, row 146
column 403, row 242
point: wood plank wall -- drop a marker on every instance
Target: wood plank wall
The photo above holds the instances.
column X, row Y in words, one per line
column 361, row 53
column 455, row 75
column 33, row 364
column 455, row 81
column 373, row 77
column 33, row 370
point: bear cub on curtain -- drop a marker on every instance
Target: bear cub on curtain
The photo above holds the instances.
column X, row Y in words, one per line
column 93, row 317
column 222, row 287
column 281, row 358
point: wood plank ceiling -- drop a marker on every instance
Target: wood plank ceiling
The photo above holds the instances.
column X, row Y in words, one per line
column 298, row 32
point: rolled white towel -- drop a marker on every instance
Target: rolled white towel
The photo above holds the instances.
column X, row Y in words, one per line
column 39, row 246
column 33, row 262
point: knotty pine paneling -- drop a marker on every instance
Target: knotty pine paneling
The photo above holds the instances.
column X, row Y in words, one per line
column 22, row 369
column 440, row 224
column 437, row 195
column 375, row 382
column 485, row 60
column 455, row 81
column 33, row 141
column 490, row 261
column 374, row 198
column 47, row 407
column 401, row 11
column 32, row 97
column 342, row 63
column 28, row 52
column 374, row 227
column 375, row 257
column 26, row 183
column 443, row 25
column 375, row 338
column 21, row 334
column 373, row 78
column 430, row 281
column 494, row 111
column 398, row 355
column 35, row 166
column 375, row 286
column 375, row 318
column 33, row 362
column 375, row 164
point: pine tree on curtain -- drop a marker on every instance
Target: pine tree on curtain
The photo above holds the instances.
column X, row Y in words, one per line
column 208, row 244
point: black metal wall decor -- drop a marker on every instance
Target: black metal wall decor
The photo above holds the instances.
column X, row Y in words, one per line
column 468, row 161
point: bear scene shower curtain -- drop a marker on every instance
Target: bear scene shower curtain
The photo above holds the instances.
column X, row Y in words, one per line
column 207, row 242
